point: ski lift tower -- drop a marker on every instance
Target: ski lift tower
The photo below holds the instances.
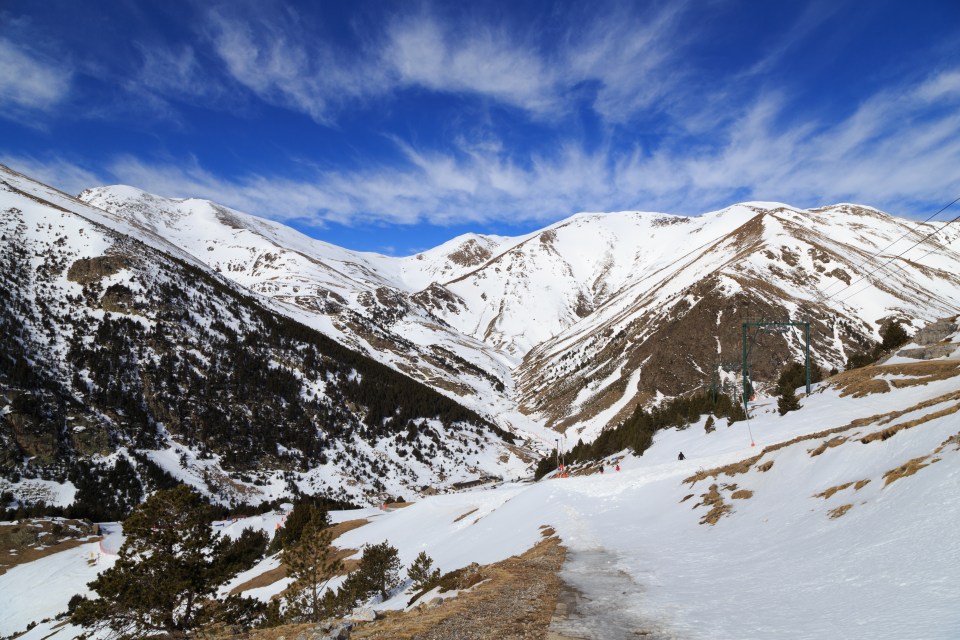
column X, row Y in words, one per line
column 778, row 326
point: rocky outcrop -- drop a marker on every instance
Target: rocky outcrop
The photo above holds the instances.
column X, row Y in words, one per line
column 929, row 352
column 87, row 270
column 936, row 332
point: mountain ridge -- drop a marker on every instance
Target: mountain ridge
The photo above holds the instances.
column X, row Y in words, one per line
column 587, row 286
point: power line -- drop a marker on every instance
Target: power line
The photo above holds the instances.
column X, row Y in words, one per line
column 867, row 275
column 877, row 254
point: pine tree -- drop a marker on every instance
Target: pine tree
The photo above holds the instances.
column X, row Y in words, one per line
column 312, row 563
column 164, row 572
column 380, row 568
column 420, row 572
column 709, row 425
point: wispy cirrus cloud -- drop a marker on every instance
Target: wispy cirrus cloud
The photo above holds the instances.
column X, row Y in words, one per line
column 29, row 82
column 866, row 157
column 624, row 58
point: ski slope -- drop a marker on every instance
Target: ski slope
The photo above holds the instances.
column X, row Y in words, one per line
column 779, row 564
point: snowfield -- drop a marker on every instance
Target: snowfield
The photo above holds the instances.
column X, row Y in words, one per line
column 834, row 536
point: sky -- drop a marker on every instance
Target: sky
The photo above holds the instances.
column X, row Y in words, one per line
column 395, row 126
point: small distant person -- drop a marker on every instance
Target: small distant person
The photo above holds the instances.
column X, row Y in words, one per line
column 601, row 469
column 681, row 456
column 618, row 466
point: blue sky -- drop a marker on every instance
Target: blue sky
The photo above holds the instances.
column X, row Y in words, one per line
column 393, row 126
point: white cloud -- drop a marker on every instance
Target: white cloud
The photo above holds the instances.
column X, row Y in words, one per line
column 627, row 59
column 898, row 150
column 29, row 83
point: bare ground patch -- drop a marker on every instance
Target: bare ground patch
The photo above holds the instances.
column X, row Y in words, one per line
column 516, row 601
column 908, row 469
column 718, row 508
column 832, row 490
column 29, row 540
column 839, row 511
column 464, row 515
column 867, row 380
column 744, row 466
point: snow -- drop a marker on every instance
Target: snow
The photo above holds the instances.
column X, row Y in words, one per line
column 777, row 566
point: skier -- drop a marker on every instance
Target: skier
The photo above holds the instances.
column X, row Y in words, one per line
column 681, row 456
column 618, row 466
column 601, row 469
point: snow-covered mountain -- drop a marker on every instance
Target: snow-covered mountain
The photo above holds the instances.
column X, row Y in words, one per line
column 123, row 358
column 835, row 521
column 572, row 326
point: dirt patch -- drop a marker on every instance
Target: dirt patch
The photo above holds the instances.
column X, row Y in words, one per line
column 891, row 431
column 766, row 466
column 462, row 516
column 516, row 601
column 861, row 484
column 742, row 494
column 839, row 511
column 908, row 469
column 832, row 490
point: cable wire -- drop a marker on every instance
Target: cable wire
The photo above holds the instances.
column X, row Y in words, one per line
column 873, row 271
column 915, row 227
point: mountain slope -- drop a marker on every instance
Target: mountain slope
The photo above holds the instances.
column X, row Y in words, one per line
column 362, row 300
column 577, row 324
column 117, row 344
column 840, row 522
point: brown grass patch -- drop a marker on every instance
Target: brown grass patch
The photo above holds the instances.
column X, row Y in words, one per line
column 832, row 490
column 398, row 505
column 864, row 381
column 461, row 517
column 836, row 441
column 742, row 494
column 952, row 440
column 908, row 469
column 861, row 484
column 718, row 508
column 547, row 531
column 766, row 466
column 686, row 497
column 517, row 600
column 839, row 511
column 891, row 431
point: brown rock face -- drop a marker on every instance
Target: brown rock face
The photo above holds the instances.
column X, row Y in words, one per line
column 87, row 270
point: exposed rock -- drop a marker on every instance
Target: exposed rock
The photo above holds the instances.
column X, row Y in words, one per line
column 363, row 615
column 935, row 332
column 929, row 352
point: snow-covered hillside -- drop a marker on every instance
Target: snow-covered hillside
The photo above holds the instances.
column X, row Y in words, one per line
column 120, row 348
column 572, row 326
column 837, row 520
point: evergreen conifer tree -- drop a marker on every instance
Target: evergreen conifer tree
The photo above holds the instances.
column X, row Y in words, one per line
column 312, row 563
column 420, row 572
column 164, row 573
